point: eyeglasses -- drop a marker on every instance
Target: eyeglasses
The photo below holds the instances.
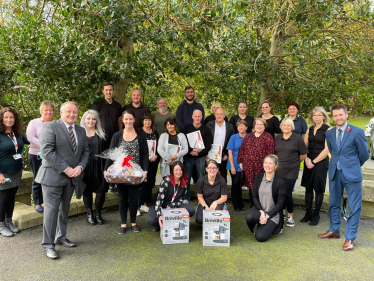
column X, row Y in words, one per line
column 212, row 168
column 317, row 115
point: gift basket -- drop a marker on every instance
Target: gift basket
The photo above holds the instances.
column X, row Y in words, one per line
column 123, row 170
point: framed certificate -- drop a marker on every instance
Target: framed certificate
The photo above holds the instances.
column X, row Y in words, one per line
column 173, row 150
column 215, row 153
column 152, row 148
column 195, row 140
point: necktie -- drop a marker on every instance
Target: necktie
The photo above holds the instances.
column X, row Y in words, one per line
column 71, row 133
column 339, row 141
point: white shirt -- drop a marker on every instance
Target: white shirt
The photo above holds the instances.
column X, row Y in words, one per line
column 74, row 132
column 220, row 134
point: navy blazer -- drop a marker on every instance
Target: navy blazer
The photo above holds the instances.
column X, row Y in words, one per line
column 352, row 154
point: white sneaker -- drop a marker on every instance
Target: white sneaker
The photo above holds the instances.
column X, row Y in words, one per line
column 185, row 201
column 290, row 222
column 144, row 208
column 138, row 213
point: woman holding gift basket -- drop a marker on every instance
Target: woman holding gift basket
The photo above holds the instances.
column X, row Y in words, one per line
column 132, row 153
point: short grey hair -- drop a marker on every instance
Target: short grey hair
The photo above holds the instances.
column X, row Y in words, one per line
column 68, row 102
column 99, row 130
column 197, row 110
column 289, row 121
column 162, row 99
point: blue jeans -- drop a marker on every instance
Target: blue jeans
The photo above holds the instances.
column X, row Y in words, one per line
column 354, row 196
column 190, row 163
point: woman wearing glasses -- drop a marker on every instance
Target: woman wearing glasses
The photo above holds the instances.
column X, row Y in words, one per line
column 211, row 191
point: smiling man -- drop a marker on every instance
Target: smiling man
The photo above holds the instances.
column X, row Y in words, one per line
column 187, row 107
column 137, row 107
column 160, row 116
column 348, row 148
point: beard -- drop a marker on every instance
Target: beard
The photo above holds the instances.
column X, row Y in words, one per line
column 163, row 110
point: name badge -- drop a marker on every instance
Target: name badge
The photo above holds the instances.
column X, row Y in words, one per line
column 17, row 156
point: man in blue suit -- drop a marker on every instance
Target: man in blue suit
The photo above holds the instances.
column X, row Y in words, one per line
column 347, row 145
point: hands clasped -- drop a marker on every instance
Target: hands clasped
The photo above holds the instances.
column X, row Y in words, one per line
column 73, row 173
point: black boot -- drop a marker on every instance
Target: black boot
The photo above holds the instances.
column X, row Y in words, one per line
column 308, row 216
column 98, row 217
column 90, row 218
column 315, row 219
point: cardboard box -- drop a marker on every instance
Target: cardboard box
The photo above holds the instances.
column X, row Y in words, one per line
column 216, row 228
column 176, row 228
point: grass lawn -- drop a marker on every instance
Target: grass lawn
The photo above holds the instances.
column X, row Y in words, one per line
column 360, row 121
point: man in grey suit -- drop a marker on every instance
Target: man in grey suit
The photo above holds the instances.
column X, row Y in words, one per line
column 64, row 148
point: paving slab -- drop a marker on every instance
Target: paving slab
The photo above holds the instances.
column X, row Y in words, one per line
column 102, row 254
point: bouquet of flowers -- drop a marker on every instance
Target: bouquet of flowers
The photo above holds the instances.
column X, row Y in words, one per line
column 123, row 170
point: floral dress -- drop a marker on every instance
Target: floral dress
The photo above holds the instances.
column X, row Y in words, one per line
column 252, row 153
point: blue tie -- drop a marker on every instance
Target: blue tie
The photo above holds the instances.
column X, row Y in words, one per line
column 339, row 142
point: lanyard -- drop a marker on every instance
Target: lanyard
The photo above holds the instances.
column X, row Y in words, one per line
column 43, row 121
column 175, row 193
column 14, row 140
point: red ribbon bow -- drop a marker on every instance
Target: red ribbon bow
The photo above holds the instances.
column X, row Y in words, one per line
column 126, row 162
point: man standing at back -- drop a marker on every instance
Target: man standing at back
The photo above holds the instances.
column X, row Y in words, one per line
column 160, row 116
column 64, row 148
column 186, row 109
column 110, row 113
column 137, row 107
column 348, row 148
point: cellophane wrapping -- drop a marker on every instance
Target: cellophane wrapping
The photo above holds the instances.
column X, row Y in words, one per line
column 123, row 170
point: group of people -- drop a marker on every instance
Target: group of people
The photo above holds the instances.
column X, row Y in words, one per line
column 262, row 155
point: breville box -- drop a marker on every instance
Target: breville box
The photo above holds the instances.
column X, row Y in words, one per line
column 216, row 228
column 176, row 228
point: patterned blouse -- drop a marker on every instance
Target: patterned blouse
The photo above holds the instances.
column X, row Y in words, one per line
column 131, row 148
column 162, row 194
column 252, row 153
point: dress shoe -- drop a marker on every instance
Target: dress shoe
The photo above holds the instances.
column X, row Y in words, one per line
column 51, row 253
column 39, row 210
column 66, row 243
column 5, row 231
column 11, row 226
column 329, row 234
column 99, row 218
column 348, row 245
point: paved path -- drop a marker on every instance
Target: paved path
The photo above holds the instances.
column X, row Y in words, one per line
column 102, row 254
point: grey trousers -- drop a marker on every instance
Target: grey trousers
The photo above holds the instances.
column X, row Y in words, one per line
column 56, row 209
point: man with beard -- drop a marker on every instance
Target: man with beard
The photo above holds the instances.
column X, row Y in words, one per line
column 137, row 107
column 160, row 116
column 186, row 109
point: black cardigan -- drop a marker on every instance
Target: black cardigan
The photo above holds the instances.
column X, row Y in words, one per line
column 143, row 149
column 278, row 192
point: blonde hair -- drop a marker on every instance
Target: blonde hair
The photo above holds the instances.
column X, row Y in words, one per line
column 289, row 121
column 260, row 119
column 324, row 113
column 216, row 105
column 99, row 130
column 274, row 158
column 47, row 103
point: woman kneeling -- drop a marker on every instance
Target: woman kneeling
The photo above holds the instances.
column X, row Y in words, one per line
column 170, row 195
column 269, row 192
column 211, row 191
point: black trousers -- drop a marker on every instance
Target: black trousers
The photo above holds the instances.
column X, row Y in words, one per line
column 236, row 191
column 146, row 190
column 199, row 212
column 128, row 199
column 37, row 193
column 152, row 218
column 290, row 184
column 7, row 198
column 222, row 169
column 263, row 231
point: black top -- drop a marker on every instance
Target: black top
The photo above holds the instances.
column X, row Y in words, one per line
column 273, row 126
column 143, row 149
column 109, row 114
column 316, row 143
column 211, row 117
column 210, row 192
column 8, row 164
column 206, row 136
column 173, row 139
column 249, row 119
column 288, row 152
column 139, row 113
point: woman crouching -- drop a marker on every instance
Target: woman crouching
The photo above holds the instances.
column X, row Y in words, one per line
column 269, row 193
column 170, row 195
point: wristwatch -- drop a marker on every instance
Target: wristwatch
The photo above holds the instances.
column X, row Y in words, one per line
column 204, row 207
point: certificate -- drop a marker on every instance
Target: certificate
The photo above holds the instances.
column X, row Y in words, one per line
column 215, row 153
column 195, row 140
column 151, row 148
column 173, row 150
